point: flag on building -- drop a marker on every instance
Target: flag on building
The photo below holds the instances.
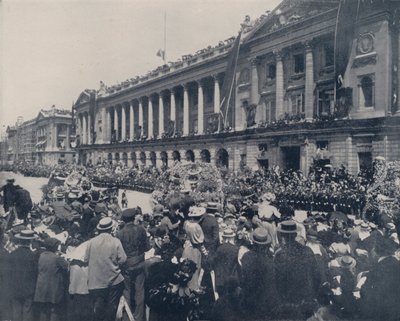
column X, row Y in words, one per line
column 161, row 53
column 345, row 25
column 229, row 80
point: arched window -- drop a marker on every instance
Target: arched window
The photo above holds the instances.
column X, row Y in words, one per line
column 367, row 92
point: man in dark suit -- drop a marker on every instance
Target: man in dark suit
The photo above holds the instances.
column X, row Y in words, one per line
column 23, row 264
column 380, row 295
column 209, row 225
column 226, row 261
column 296, row 268
column 135, row 243
column 260, row 296
column 8, row 193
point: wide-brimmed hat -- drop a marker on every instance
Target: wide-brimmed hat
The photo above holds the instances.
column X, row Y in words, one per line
column 261, row 236
column 26, row 235
column 346, row 261
column 228, row 233
column 105, row 224
column 288, row 227
column 10, row 180
column 196, row 211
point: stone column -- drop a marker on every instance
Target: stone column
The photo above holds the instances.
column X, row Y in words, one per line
column 200, row 109
column 123, row 123
column 279, row 93
column 55, row 140
column 150, row 120
column 173, row 106
column 254, row 94
column 131, row 122
column 116, row 123
column 107, row 127
column 84, row 127
column 89, row 131
column 185, row 110
column 141, row 116
column 68, row 139
column 309, row 84
column 217, row 99
column 160, row 115
column 101, row 139
column 255, row 97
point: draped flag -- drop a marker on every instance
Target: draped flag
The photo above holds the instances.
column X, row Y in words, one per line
column 229, row 80
column 345, row 24
column 161, row 53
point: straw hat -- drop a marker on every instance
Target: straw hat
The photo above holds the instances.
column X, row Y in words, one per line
column 105, row 224
column 26, row 235
column 288, row 227
column 347, row 261
column 261, row 236
column 196, row 211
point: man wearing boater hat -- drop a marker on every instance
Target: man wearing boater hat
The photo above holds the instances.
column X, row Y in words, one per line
column 105, row 255
column 23, row 265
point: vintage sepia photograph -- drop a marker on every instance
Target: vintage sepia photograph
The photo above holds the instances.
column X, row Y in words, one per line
column 199, row 160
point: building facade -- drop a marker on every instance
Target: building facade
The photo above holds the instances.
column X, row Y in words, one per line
column 47, row 139
column 286, row 107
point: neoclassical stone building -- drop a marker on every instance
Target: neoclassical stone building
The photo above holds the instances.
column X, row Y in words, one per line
column 286, row 107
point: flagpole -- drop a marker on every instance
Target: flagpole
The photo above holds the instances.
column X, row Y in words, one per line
column 165, row 36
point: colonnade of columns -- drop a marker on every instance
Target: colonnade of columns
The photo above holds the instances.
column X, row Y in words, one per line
column 146, row 117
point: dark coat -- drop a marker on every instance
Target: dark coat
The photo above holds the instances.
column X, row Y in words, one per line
column 209, row 225
column 380, row 295
column 5, row 285
column 260, row 295
column 23, row 265
column 297, row 275
column 225, row 263
column 9, row 196
column 51, row 281
column 135, row 242
column 227, row 308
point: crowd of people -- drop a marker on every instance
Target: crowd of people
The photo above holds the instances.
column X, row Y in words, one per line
column 267, row 252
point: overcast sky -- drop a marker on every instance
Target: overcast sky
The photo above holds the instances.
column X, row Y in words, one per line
column 52, row 50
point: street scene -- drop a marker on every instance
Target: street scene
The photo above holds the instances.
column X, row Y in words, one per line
column 255, row 178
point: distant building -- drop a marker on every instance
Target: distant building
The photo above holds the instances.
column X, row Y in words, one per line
column 46, row 139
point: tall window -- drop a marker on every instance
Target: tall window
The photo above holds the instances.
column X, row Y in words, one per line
column 297, row 104
column 270, row 110
column 329, row 55
column 298, row 63
column 366, row 92
column 325, row 102
column 271, row 71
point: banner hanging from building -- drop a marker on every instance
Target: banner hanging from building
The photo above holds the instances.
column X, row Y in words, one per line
column 229, row 80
